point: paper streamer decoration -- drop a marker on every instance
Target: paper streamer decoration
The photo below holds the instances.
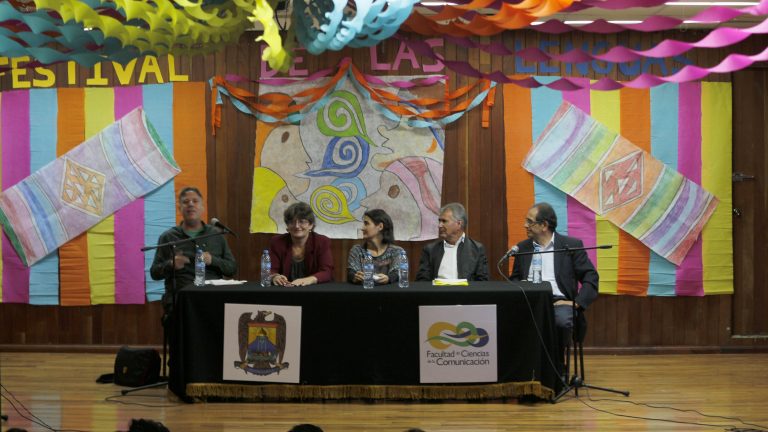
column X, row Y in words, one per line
column 327, row 24
column 615, row 4
column 125, row 161
column 49, row 40
column 104, row 265
column 292, row 108
column 91, row 31
column 508, row 16
column 654, row 23
column 731, row 63
column 159, row 27
column 278, row 56
column 718, row 38
column 621, row 182
column 687, row 127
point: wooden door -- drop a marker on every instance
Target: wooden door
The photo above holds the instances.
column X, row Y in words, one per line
column 750, row 202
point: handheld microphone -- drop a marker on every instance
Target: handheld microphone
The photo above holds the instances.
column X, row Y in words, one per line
column 217, row 223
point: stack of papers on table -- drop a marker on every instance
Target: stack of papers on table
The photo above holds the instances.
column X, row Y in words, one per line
column 443, row 282
column 224, row 282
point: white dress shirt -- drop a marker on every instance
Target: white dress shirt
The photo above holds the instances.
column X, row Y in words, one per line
column 448, row 266
column 547, row 266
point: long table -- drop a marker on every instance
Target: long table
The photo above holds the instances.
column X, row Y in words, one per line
column 359, row 343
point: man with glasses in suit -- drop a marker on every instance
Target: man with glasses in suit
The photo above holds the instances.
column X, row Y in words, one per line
column 564, row 271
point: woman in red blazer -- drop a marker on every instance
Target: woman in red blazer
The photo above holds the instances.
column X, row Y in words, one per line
column 301, row 257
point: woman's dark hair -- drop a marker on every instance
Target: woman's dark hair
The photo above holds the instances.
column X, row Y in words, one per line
column 190, row 189
column 379, row 216
column 306, row 427
column 299, row 210
column 546, row 214
column 142, row 425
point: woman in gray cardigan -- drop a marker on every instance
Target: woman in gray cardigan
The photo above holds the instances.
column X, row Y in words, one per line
column 378, row 240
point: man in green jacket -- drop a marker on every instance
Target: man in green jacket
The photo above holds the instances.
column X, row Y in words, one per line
column 218, row 258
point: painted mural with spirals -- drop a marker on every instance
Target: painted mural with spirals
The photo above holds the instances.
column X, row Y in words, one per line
column 345, row 159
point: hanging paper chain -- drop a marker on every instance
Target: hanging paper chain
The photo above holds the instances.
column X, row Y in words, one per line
column 321, row 25
column 92, row 31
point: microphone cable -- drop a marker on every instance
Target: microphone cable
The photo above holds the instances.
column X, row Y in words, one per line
column 536, row 326
column 654, row 406
column 26, row 414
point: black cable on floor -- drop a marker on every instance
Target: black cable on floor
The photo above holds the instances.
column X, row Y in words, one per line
column 732, row 427
column 26, row 414
column 681, row 410
column 114, row 399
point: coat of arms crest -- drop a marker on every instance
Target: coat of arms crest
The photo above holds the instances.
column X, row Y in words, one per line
column 261, row 343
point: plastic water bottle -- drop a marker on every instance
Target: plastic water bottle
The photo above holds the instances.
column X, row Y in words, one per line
column 536, row 265
column 266, row 268
column 367, row 271
column 199, row 267
column 402, row 270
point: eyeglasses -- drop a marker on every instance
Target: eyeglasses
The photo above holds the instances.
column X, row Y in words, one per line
column 299, row 222
column 529, row 222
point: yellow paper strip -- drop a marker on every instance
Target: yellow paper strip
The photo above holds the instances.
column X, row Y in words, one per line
column 716, row 128
column 99, row 113
column 606, row 109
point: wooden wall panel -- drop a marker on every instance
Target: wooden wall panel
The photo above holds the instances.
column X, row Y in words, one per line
column 473, row 174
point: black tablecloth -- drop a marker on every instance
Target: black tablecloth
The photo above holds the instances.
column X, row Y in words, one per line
column 365, row 342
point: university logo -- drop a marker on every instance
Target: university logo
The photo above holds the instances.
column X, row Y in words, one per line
column 261, row 343
column 442, row 335
column 621, row 181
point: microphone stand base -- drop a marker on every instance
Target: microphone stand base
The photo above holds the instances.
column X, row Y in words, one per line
column 577, row 382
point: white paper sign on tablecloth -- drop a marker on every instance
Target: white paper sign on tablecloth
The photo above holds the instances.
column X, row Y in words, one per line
column 458, row 344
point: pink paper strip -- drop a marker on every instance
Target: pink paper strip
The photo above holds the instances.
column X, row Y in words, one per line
column 16, row 167
column 129, row 223
column 732, row 63
column 717, row 38
column 690, row 273
column 581, row 220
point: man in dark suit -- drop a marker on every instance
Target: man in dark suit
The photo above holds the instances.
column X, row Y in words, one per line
column 562, row 270
column 454, row 256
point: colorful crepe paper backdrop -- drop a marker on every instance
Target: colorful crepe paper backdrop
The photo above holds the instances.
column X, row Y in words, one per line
column 685, row 126
column 105, row 264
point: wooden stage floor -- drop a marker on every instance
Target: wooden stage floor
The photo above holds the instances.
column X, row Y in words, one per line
column 60, row 390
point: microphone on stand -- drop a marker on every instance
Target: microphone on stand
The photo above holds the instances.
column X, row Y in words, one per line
column 217, row 223
column 515, row 251
column 510, row 253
